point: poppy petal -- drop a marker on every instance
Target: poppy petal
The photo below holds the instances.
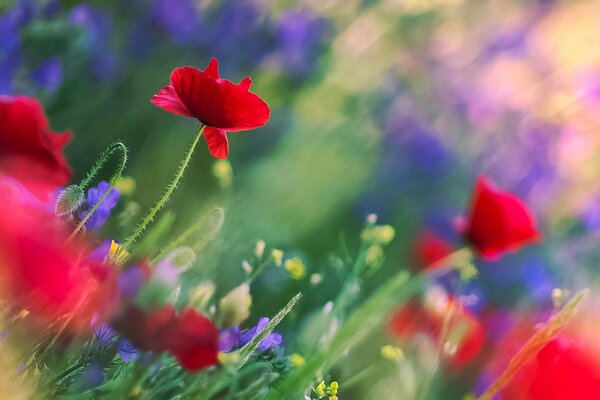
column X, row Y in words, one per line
column 246, row 83
column 212, row 70
column 29, row 151
column 498, row 221
column 219, row 102
column 167, row 99
column 218, row 145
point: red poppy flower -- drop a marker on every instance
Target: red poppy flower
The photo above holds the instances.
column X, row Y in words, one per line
column 219, row 104
column 498, row 221
column 29, row 150
column 42, row 274
column 464, row 329
column 190, row 336
column 430, row 249
column 563, row 369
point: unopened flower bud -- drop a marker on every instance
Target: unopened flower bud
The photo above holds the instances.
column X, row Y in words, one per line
column 69, row 200
column 182, row 257
column 200, row 296
column 295, row 267
column 234, row 308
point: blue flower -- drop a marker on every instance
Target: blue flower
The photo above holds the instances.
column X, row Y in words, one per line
column 97, row 26
column 234, row 338
column 272, row 340
column 50, row 74
column 103, row 212
column 300, row 36
column 106, row 337
column 130, row 281
column 104, row 334
column 127, row 351
column 93, row 376
column 180, row 18
column 229, row 338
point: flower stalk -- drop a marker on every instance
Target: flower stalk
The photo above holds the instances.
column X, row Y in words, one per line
column 130, row 240
column 93, row 172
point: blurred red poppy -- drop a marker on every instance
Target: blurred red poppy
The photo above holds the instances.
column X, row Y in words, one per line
column 29, row 150
column 498, row 222
column 190, row 336
column 464, row 331
column 219, row 104
column 563, row 369
column 44, row 275
column 429, row 249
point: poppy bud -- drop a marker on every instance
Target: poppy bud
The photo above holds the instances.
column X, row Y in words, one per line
column 69, row 200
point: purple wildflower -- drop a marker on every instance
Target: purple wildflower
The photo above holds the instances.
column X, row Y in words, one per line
column 103, row 212
column 50, row 74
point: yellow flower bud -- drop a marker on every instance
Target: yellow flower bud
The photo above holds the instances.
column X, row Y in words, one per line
column 222, row 170
column 277, row 256
column 379, row 234
column 392, row 353
column 260, row 248
column 374, row 257
column 320, row 389
column 297, row 360
column 295, row 267
column 125, row 185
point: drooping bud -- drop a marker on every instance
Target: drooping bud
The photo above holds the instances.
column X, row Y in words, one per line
column 69, row 200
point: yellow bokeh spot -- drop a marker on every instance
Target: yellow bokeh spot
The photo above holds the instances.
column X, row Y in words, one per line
column 297, row 360
column 295, row 267
column 392, row 353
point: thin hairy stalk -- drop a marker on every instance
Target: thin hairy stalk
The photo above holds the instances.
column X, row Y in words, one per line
column 210, row 223
column 250, row 347
column 95, row 169
column 535, row 343
column 102, row 159
column 165, row 197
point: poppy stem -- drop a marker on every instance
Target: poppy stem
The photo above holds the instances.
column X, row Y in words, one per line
column 102, row 159
column 93, row 172
column 165, row 197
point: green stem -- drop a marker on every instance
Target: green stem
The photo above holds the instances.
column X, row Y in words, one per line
column 93, row 172
column 210, row 224
column 102, row 160
column 258, row 270
column 165, row 197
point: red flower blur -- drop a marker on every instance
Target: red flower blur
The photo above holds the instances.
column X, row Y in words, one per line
column 498, row 221
column 42, row 274
column 464, row 329
column 563, row 369
column 429, row 249
column 190, row 336
column 219, row 104
column 29, row 150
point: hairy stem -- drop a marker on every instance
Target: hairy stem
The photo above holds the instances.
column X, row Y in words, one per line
column 93, row 172
column 165, row 197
